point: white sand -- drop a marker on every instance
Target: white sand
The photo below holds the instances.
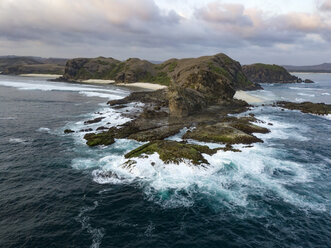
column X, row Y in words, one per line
column 98, row 81
column 243, row 95
column 148, row 86
column 41, row 75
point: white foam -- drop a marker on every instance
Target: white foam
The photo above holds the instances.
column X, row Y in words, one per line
column 102, row 95
column 8, row 118
column 17, row 140
column 230, row 179
column 302, row 88
column 87, row 90
column 325, row 94
column 96, row 233
column 304, row 94
column 299, row 99
column 281, row 130
column 43, row 129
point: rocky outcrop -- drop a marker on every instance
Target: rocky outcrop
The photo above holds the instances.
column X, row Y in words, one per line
column 307, row 107
column 229, row 131
column 308, row 81
column 173, row 152
column 264, row 73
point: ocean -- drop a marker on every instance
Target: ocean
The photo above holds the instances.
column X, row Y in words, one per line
column 55, row 192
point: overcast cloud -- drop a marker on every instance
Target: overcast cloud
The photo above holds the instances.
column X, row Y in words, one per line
column 131, row 28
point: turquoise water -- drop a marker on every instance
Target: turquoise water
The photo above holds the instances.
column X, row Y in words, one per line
column 57, row 192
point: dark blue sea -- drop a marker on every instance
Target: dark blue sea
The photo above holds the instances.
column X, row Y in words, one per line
column 56, row 192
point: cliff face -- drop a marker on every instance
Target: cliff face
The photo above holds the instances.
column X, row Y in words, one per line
column 264, row 73
column 200, row 82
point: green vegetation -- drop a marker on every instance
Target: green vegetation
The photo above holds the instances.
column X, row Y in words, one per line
column 173, row 152
column 269, row 67
column 161, row 78
column 227, row 133
column 172, row 66
column 115, row 70
column 95, row 139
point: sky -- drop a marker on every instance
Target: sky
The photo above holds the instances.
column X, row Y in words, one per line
column 296, row 32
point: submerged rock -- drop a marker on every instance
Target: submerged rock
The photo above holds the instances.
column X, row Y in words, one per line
column 68, row 131
column 86, row 130
column 96, row 120
column 173, row 152
column 307, row 107
column 308, row 81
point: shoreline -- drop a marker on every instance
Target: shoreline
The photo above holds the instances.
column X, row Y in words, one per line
column 40, row 75
column 143, row 86
column 243, row 95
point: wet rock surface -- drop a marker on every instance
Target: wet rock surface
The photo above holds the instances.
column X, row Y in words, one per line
column 229, row 131
column 307, row 107
column 173, row 152
column 96, row 120
column 156, row 122
column 68, row 131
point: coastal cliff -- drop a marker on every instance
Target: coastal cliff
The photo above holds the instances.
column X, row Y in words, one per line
column 264, row 73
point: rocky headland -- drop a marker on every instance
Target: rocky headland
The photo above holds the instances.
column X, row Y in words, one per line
column 196, row 104
column 199, row 97
column 265, row 73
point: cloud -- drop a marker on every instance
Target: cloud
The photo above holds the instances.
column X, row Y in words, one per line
column 325, row 6
column 123, row 28
column 227, row 14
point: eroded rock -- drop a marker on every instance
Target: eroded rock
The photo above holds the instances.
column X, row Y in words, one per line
column 307, row 107
column 173, row 152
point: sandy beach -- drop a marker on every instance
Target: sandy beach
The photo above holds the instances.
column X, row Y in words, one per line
column 41, row 75
column 146, row 86
column 243, row 95
column 98, row 81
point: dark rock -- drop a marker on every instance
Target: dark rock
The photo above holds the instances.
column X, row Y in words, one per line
column 68, row 131
column 95, row 139
column 307, row 107
column 96, row 120
column 86, row 130
column 102, row 128
column 308, row 81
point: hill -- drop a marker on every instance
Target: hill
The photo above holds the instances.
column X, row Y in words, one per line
column 15, row 65
column 217, row 68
